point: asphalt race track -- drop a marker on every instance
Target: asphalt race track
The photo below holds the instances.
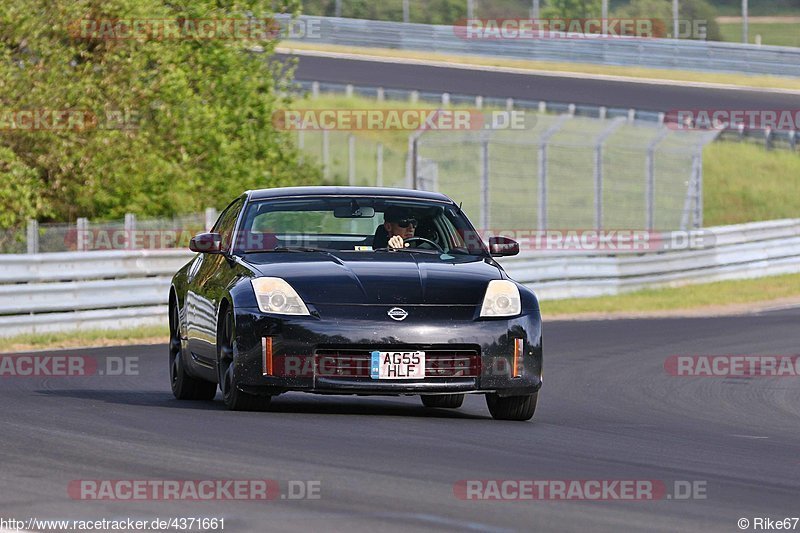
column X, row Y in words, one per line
column 608, row 411
column 644, row 96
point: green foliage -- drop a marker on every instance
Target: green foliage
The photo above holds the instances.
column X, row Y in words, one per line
column 661, row 11
column 421, row 11
column 181, row 123
column 572, row 9
column 20, row 190
column 702, row 10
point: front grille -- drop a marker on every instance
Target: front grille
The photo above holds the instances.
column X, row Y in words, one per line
column 439, row 362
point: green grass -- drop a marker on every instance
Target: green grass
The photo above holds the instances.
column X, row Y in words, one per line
column 778, row 34
column 758, row 8
column 744, row 182
column 694, row 297
column 111, row 337
column 395, row 143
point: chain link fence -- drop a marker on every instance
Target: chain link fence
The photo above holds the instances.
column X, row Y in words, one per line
column 130, row 233
column 569, row 172
column 570, row 167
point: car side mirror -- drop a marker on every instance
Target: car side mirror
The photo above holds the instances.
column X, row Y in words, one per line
column 503, row 246
column 206, row 243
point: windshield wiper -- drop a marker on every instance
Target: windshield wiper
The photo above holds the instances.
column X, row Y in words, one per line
column 300, row 249
column 409, row 249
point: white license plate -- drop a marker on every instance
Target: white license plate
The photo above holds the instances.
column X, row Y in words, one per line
column 397, row 365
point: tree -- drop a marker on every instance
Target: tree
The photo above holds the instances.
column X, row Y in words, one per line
column 161, row 125
column 572, row 9
column 661, row 12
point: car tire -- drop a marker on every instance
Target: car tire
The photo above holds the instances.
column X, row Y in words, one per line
column 512, row 407
column 234, row 398
column 184, row 386
column 444, row 401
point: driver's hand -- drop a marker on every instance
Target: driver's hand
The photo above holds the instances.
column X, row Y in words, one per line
column 396, row 242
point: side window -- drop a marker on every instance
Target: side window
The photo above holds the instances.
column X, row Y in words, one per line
column 227, row 222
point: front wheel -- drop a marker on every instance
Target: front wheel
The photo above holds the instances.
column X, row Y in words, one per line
column 512, row 407
column 234, row 398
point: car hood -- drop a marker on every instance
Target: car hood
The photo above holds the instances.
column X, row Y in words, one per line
column 387, row 278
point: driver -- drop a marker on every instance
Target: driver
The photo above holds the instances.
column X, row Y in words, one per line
column 399, row 225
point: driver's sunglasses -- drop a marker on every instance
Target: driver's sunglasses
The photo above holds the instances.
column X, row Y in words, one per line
column 406, row 222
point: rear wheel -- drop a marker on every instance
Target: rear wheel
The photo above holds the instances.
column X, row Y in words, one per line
column 234, row 398
column 445, row 401
column 184, row 386
column 512, row 407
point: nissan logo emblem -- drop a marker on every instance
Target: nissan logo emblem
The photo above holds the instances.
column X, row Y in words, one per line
column 395, row 313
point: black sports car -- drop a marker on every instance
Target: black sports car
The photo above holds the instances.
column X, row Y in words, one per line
column 307, row 289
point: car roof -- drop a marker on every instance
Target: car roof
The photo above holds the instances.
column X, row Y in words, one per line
column 282, row 192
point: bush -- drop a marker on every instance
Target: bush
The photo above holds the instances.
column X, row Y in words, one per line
column 572, row 9
column 661, row 10
column 181, row 123
column 20, row 191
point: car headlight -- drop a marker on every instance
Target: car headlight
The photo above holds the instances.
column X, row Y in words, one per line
column 502, row 299
column 275, row 295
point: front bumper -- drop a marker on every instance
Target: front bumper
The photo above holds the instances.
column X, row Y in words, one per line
column 326, row 352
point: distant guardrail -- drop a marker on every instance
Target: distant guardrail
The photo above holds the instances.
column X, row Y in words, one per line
column 122, row 289
column 709, row 56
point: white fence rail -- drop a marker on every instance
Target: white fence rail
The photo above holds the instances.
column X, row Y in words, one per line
column 708, row 56
column 85, row 290
column 738, row 252
column 119, row 289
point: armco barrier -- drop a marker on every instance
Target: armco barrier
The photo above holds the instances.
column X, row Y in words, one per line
column 119, row 289
column 739, row 252
column 85, row 290
column 710, row 56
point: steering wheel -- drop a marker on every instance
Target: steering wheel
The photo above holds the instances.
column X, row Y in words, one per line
column 423, row 239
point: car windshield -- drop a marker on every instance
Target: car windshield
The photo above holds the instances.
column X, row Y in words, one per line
column 354, row 224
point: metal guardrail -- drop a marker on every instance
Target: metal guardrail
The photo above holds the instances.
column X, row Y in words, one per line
column 72, row 291
column 709, row 56
column 85, row 290
column 740, row 251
